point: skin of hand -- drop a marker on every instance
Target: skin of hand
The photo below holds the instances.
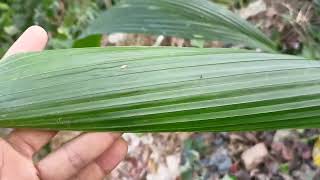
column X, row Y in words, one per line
column 88, row 156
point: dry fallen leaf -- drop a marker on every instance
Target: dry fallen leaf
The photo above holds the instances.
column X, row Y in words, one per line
column 316, row 153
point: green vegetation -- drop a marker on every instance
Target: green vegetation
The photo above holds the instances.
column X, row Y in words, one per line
column 158, row 89
column 63, row 20
column 190, row 19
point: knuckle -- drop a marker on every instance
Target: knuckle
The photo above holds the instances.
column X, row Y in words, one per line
column 22, row 145
column 75, row 159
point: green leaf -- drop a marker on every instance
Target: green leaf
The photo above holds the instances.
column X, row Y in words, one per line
column 90, row 41
column 284, row 168
column 228, row 177
column 192, row 19
column 141, row 89
column 4, row 6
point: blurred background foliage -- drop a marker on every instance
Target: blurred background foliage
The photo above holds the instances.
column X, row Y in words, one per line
column 65, row 20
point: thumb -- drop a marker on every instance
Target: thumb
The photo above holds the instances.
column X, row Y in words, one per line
column 33, row 39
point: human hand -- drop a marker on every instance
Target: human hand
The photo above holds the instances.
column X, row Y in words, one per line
column 88, row 156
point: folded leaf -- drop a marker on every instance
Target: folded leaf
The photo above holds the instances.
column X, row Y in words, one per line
column 191, row 19
column 141, row 89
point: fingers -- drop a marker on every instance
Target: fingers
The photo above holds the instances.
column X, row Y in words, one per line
column 75, row 155
column 33, row 39
column 78, row 153
column 11, row 162
column 105, row 163
column 28, row 142
column 113, row 156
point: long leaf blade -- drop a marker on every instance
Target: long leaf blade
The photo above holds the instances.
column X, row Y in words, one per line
column 141, row 89
column 192, row 19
